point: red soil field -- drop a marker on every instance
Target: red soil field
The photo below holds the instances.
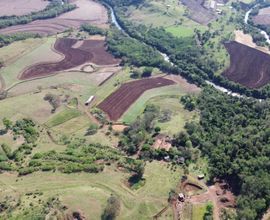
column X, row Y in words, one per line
column 248, row 66
column 93, row 51
column 119, row 101
column 87, row 11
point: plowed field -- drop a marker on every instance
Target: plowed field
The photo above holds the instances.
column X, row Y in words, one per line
column 21, row 7
column 87, row 11
column 248, row 66
column 119, row 101
column 88, row 51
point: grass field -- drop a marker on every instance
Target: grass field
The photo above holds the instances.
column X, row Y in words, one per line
column 163, row 94
column 166, row 13
column 198, row 211
column 81, row 191
column 179, row 115
column 39, row 53
column 62, row 117
column 184, row 30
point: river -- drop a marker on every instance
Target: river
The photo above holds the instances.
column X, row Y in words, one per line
column 167, row 59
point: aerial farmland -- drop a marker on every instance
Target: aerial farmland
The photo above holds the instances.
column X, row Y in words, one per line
column 134, row 109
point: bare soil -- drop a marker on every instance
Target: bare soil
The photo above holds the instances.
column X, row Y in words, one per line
column 93, row 51
column 21, row 7
column 120, row 100
column 248, row 66
column 263, row 17
column 87, row 11
column 247, row 40
column 197, row 12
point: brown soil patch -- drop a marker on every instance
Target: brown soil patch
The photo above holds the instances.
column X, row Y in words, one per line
column 87, row 11
column 192, row 188
column 119, row 128
column 247, row 40
column 120, row 100
column 21, row 7
column 185, row 85
column 89, row 51
column 199, row 13
column 263, row 17
column 248, row 66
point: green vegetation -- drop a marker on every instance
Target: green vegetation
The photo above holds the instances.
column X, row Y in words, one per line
column 54, row 9
column 198, row 211
column 62, row 117
column 8, row 39
column 132, row 51
column 92, row 30
column 233, row 133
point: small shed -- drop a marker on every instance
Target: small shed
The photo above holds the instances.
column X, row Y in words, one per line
column 91, row 98
column 181, row 197
column 167, row 158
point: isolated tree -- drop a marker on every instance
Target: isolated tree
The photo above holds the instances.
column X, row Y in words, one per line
column 92, row 129
column 112, row 209
column 7, row 123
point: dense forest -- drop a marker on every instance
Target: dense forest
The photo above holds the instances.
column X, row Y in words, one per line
column 54, row 9
column 235, row 135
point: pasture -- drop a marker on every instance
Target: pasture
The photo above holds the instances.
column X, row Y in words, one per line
column 79, row 191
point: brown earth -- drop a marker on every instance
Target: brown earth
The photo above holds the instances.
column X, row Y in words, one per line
column 263, row 17
column 248, row 66
column 21, row 7
column 87, row 11
column 247, row 40
column 89, row 51
column 199, row 13
column 120, row 100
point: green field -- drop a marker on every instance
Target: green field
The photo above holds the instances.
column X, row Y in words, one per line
column 81, row 191
column 62, row 117
column 173, row 92
column 38, row 53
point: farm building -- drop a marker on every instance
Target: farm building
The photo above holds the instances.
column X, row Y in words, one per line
column 91, row 98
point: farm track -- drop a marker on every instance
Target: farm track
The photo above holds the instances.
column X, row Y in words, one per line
column 120, row 100
column 2, row 83
column 93, row 51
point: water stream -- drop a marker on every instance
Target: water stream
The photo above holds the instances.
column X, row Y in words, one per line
column 167, row 59
column 266, row 36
